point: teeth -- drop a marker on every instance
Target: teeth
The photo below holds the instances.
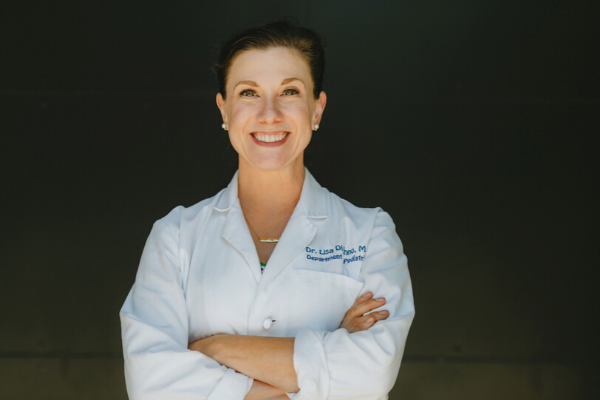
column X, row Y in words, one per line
column 269, row 138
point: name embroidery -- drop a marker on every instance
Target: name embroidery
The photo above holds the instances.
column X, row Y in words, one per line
column 339, row 252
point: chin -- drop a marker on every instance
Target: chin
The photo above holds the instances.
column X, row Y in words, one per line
column 272, row 164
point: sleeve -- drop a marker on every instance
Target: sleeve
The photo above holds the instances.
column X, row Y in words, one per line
column 362, row 365
column 154, row 327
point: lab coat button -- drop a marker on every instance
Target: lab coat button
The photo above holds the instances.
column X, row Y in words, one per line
column 267, row 323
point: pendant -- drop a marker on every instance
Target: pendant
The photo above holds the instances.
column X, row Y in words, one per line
column 268, row 240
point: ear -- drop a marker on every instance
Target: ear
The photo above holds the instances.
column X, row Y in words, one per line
column 320, row 107
column 221, row 105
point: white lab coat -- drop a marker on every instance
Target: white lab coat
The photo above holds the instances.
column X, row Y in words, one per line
column 199, row 275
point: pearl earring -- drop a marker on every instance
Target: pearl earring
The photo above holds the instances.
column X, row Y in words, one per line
column 224, row 126
column 316, row 127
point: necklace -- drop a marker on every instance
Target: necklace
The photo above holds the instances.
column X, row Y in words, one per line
column 262, row 239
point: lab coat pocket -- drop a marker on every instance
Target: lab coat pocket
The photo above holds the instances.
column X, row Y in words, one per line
column 320, row 299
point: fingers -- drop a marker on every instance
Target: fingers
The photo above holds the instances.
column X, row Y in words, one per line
column 357, row 319
column 369, row 306
column 367, row 321
column 364, row 304
column 363, row 297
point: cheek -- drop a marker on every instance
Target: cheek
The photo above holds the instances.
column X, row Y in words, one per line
column 238, row 115
column 300, row 113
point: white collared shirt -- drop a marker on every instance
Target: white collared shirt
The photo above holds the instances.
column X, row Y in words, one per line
column 199, row 275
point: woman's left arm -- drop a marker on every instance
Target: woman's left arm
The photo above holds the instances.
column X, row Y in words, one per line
column 362, row 365
column 271, row 358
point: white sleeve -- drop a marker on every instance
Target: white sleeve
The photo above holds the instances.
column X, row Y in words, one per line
column 154, row 326
column 363, row 365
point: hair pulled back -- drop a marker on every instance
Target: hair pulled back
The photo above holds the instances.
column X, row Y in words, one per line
column 275, row 34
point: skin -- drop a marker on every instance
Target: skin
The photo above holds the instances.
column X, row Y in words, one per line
column 263, row 99
column 270, row 106
column 270, row 178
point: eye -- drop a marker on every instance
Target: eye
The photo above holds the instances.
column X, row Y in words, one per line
column 290, row 92
column 248, row 93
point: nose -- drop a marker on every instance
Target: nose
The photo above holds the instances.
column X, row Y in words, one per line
column 270, row 113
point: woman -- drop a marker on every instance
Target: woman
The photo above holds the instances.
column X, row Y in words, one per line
column 204, row 321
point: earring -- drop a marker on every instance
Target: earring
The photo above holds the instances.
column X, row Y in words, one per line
column 224, row 126
column 316, row 127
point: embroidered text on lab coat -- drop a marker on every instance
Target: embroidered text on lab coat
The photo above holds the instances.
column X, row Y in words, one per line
column 338, row 252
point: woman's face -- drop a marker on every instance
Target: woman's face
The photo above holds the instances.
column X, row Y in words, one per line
column 270, row 109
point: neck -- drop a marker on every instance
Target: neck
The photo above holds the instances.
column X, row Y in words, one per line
column 269, row 193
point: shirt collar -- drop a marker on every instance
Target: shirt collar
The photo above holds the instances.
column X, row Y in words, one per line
column 313, row 199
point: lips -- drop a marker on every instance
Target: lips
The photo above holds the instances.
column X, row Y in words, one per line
column 270, row 139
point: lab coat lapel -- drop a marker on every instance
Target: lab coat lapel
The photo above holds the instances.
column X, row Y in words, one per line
column 235, row 230
column 298, row 233
column 237, row 234
column 300, row 230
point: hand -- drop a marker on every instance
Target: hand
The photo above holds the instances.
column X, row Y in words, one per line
column 355, row 319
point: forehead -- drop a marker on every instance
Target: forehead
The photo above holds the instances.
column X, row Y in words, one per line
column 272, row 64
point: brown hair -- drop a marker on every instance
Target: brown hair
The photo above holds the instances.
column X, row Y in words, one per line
column 275, row 34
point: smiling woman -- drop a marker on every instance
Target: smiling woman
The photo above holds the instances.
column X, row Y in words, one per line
column 255, row 293
column 271, row 116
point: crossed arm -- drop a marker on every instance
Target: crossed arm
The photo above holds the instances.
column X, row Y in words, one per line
column 269, row 360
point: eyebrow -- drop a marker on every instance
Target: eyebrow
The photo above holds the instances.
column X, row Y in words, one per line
column 283, row 82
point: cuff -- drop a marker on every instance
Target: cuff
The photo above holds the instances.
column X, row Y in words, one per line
column 232, row 386
column 310, row 364
column 249, row 385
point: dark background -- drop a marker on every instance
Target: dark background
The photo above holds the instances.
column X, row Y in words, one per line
column 473, row 123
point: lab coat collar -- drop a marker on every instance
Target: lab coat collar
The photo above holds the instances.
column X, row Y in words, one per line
column 298, row 232
column 313, row 198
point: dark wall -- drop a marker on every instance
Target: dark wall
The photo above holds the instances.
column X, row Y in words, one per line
column 473, row 123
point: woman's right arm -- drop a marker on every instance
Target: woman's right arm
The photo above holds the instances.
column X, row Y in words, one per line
column 357, row 319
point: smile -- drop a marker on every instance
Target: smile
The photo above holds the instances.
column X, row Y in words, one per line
column 271, row 137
